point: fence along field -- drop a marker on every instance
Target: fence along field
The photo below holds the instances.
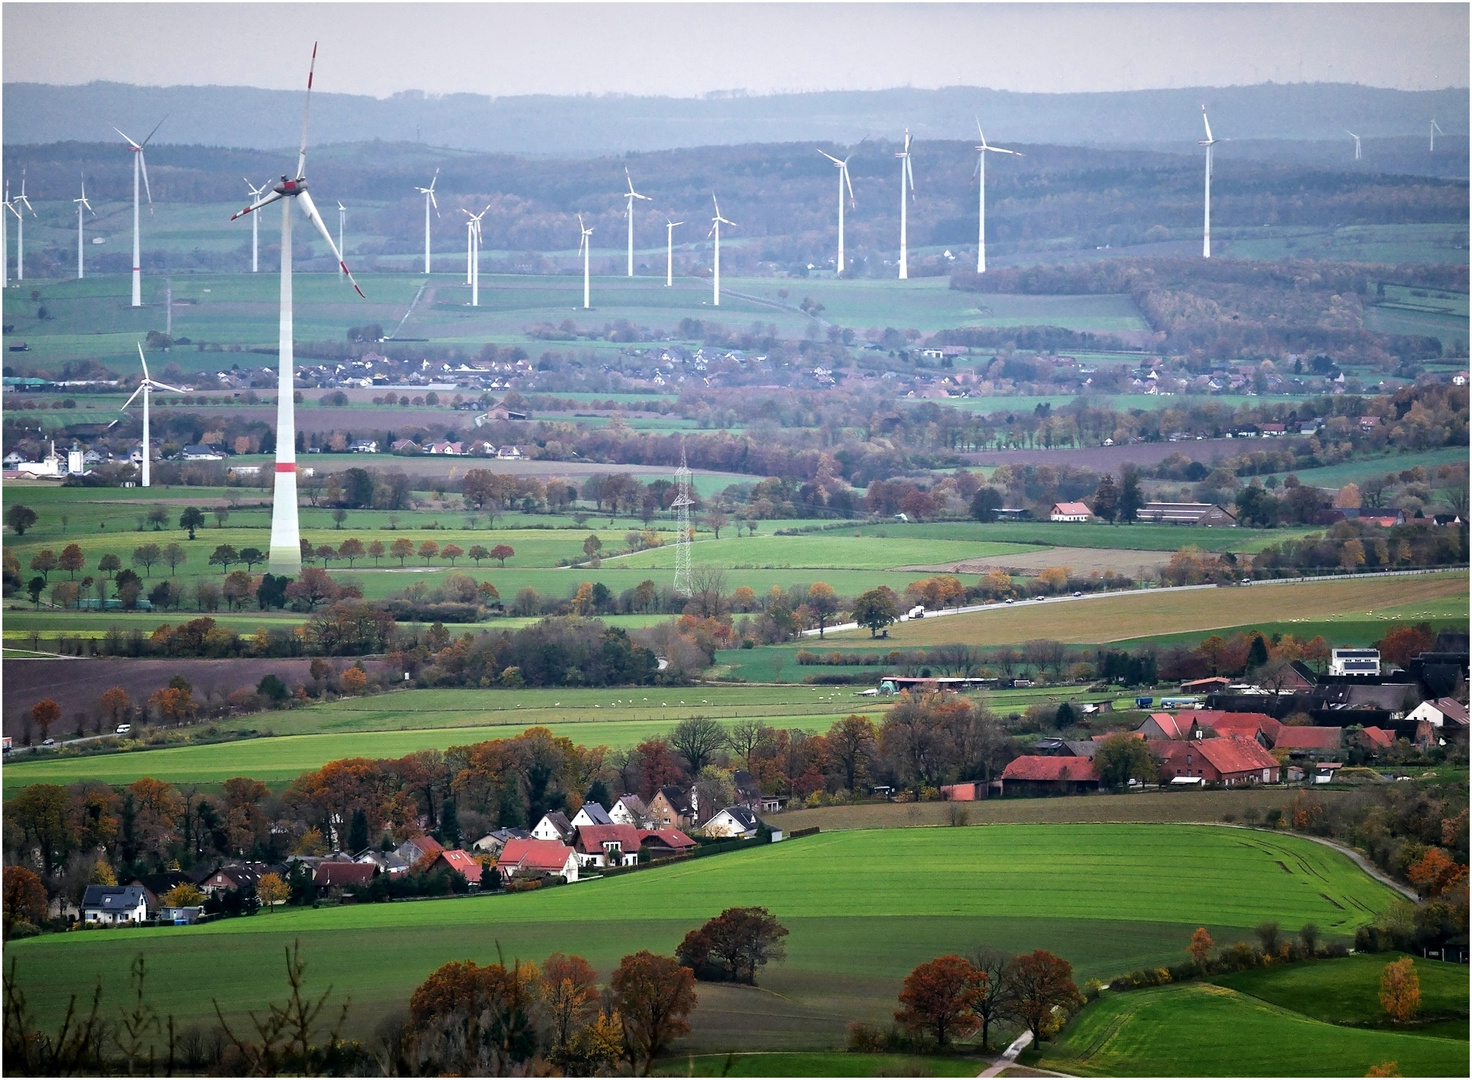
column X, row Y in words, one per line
column 1109, row 898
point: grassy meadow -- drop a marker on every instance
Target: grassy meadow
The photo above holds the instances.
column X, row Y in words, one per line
column 1109, row 898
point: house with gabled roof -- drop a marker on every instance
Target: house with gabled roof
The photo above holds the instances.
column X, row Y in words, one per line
column 1372, row 739
column 332, row 878
column 1038, row 775
column 1070, row 511
column 1163, row 725
column 665, row 843
column 1310, row 742
column 111, row 905
column 461, row 862
column 555, row 826
column 527, row 858
column 599, row 846
column 629, row 810
column 733, row 821
column 591, row 813
column 232, row 877
column 1230, row 761
column 417, row 848
column 671, row 808
column 492, row 842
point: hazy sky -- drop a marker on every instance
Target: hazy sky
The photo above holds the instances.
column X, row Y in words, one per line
column 689, row 49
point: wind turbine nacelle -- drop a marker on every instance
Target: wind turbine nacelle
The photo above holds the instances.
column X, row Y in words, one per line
column 289, row 186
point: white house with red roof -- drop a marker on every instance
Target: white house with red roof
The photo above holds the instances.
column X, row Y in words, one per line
column 1071, row 511
column 598, row 846
column 462, row 862
column 526, row 857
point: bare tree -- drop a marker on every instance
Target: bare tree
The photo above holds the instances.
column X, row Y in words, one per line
column 990, row 1003
column 707, row 585
column 697, row 739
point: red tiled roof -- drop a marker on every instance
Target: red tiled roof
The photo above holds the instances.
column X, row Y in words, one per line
column 549, row 855
column 427, row 845
column 1235, row 723
column 591, row 838
column 1308, row 738
column 1379, row 737
column 1072, row 508
column 1049, row 768
column 1170, row 727
column 1236, row 755
column 671, row 837
column 332, row 875
column 462, row 862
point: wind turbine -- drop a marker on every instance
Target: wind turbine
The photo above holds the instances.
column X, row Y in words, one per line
column 286, row 547
column 342, row 217
column 981, row 153
column 428, row 193
column 907, row 177
column 15, row 205
column 715, row 230
column 1207, row 142
column 473, row 227
column 1356, row 139
column 585, row 247
column 82, row 203
column 146, row 388
column 5, row 240
column 1435, row 131
column 632, row 195
column 139, row 165
column 669, row 251
column 843, row 182
column 255, row 228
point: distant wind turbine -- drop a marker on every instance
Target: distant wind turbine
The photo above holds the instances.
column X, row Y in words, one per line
column 82, row 204
column 1356, row 139
column 15, row 205
column 715, row 230
column 286, row 547
column 585, row 248
column 907, row 192
column 843, row 182
column 428, row 193
column 139, row 165
column 146, row 388
column 5, row 240
column 342, row 217
column 1207, row 142
column 632, row 195
column 669, row 251
column 473, row 227
column 981, row 153
column 255, row 227
column 1435, row 131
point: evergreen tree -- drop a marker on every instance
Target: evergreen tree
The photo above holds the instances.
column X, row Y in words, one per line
column 1257, row 656
column 449, row 823
column 358, row 832
column 1130, row 499
column 599, row 794
column 1106, row 499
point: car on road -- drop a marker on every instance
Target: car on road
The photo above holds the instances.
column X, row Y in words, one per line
column 1077, row 594
column 123, row 729
column 48, row 742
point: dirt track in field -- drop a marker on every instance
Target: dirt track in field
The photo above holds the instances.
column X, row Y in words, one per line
column 1077, row 560
column 1112, row 457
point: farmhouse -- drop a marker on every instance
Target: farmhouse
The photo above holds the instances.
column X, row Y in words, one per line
column 1442, row 722
column 1205, row 514
column 608, row 845
column 529, row 858
column 1070, row 511
column 110, row 905
column 332, row 878
column 1034, row 775
column 1231, row 761
column 1310, row 742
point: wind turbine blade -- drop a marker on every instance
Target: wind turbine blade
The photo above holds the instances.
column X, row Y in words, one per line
column 154, row 132
column 848, row 183
column 143, row 164
column 265, row 200
column 432, row 201
column 142, row 359
column 830, row 157
column 166, row 386
column 129, row 141
column 910, row 172
column 310, row 207
column 301, row 160
column 132, row 399
column 1207, row 122
column 341, row 208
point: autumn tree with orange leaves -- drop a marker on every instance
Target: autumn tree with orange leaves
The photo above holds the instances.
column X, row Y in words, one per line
column 653, row 995
column 1400, row 989
column 940, row 998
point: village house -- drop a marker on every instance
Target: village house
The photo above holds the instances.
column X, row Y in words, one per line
column 629, row 810
column 461, row 862
column 591, row 813
column 1039, row 775
column 528, row 858
column 1440, row 722
column 1372, row 740
column 665, row 843
column 492, row 842
column 332, row 878
column 388, row 862
column 417, row 848
column 671, row 808
column 733, row 821
column 1070, row 511
column 555, row 826
column 232, row 877
column 601, row 846
column 156, row 886
column 110, row 905
column 1315, row 743
column 1230, row 761
column 1162, row 725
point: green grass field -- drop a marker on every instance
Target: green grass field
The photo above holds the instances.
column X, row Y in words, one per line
column 1284, row 1022
column 1109, row 898
column 776, row 1063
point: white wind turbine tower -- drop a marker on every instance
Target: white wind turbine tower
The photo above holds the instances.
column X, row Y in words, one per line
column 139, row 165
column 286, row 548
column 81, row 204
column 715, row 230
column 981, row 153
column 255, row 228
column 1207, row 142
column 5, row 240
column 473, row 227
column 843, row 182
column 669, row 251
column 1356, row 139
column 907, row 192
column 585, row 248
column 632, row 195
column 146, row 388
column 15, row 205
column 1435, row 131
column 428, row 193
